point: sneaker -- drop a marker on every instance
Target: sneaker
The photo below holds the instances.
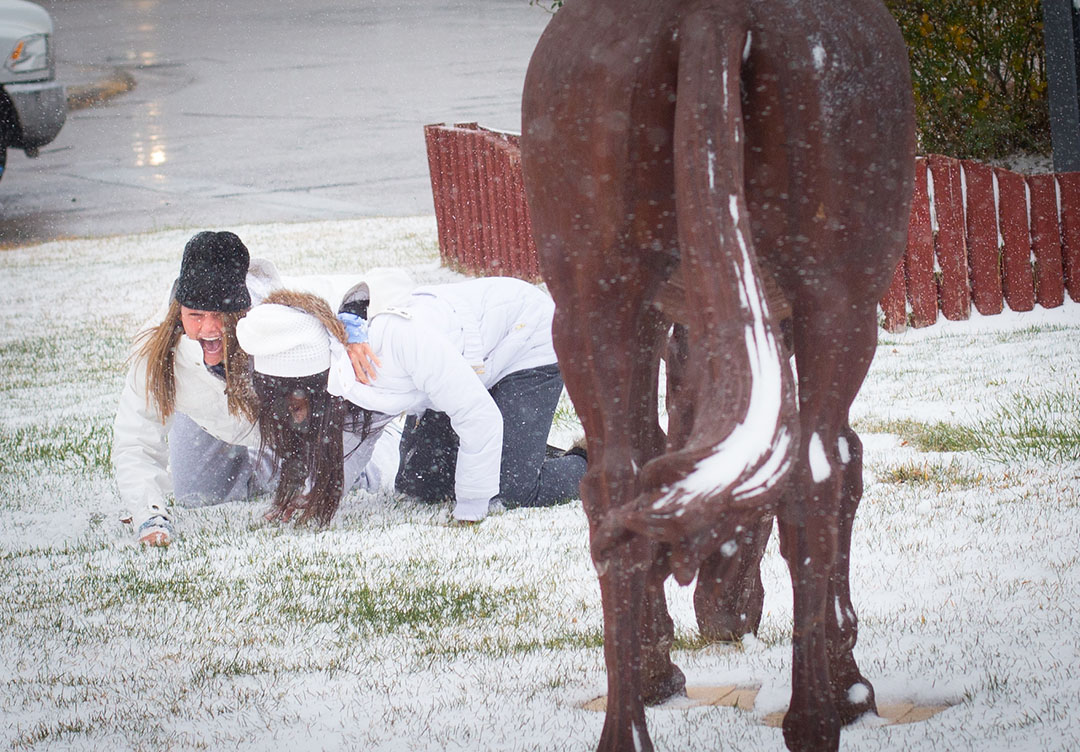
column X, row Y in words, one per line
column 579, row 449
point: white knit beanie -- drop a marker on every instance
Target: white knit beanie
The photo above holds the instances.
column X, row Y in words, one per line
column 284, row 341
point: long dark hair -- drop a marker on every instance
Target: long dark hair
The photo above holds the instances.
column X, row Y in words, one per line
column 308, row 456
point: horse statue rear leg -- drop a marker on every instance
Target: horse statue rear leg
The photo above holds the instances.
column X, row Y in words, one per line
column 833, row 352
column 615, row 397
column 852, row 693
column 729, row 596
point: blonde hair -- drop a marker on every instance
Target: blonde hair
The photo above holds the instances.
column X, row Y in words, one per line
column 312, row 304
column 157, row 345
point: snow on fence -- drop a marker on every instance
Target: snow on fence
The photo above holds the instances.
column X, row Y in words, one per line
column 977, row 234
column 986, row 236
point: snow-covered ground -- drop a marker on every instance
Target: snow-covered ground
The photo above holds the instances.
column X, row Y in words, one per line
column 391, row 630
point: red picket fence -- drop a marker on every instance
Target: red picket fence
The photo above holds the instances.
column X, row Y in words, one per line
column 977, row 234
column 989, row 237
column 480, row 208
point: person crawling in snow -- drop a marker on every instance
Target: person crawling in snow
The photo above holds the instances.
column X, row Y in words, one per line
column 472, row 366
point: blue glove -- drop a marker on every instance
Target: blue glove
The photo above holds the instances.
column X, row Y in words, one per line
column 356, row 328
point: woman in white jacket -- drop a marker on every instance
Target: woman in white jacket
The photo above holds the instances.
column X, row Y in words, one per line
column 473, row 367
column 187, row 404
column 184, row 424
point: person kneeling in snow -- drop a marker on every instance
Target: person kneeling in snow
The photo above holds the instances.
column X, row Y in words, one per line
column 471, row 364
column 187, row 406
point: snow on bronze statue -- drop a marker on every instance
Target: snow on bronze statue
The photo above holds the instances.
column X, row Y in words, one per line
column 722, row 183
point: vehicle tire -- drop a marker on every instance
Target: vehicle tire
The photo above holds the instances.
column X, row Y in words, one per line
column 3, row 150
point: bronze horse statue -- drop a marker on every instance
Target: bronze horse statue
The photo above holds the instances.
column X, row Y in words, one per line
column 724, row 184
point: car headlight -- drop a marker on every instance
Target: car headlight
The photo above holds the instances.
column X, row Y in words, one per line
column 30, row 53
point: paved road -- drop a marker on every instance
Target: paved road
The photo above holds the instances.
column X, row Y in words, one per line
column 262, row 110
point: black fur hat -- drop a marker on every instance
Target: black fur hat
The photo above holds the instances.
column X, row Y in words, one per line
column 213, row 272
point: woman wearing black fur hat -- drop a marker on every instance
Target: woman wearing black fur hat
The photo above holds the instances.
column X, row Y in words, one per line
column 184, row 424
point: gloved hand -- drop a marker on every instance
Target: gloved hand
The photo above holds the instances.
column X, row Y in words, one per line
column 470, row 510
column 356, row 328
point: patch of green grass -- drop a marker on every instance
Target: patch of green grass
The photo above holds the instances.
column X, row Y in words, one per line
column 88, row 355
column 566, row 640
column 587, row 639
column 72, row 446
column 505, row 646
column 81, row 548
column 398, row 604
column 771, row 634
column 695, row 641
column 1043, row 426
column 340, row 594
column 926, row 437
column 233, row 666
column 1025, row 334
column 59, row 730
column 934, row 474
column 139, row 581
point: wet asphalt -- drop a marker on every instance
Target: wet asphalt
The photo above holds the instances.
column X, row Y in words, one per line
column 211, row 114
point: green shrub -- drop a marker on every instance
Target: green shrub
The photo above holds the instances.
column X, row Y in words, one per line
column 979, row 75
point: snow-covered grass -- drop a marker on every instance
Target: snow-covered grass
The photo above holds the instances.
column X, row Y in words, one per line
column 390, row 630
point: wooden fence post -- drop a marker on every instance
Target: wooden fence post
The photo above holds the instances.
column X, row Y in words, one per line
column 982, row 238
column 919, row 263
column 949, row 245
column 439, row 168
column 1069, row 183
column 894, row 304
column 1046, row 241
column 1016, row 280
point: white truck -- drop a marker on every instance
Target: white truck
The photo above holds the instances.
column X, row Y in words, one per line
column 33, row 106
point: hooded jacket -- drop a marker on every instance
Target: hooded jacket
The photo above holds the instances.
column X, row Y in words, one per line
column 442, row 349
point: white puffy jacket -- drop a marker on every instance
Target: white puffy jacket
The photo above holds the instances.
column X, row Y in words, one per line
column 442, row 349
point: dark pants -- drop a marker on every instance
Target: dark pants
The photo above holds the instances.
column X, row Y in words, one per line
column 527, row 401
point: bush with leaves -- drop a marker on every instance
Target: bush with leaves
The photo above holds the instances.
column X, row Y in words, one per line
column 978, row 68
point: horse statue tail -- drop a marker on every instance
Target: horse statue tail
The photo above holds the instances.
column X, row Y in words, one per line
column 733, row 420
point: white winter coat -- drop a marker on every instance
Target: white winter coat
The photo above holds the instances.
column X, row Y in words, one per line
column 442, row 349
